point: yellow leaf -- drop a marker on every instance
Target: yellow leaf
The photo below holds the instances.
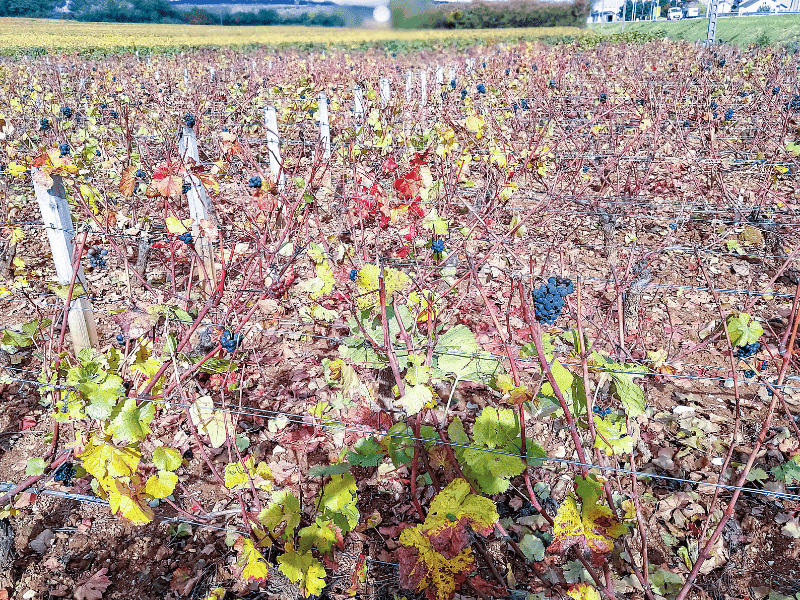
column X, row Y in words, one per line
column 128, row 181
column 162, row 484
column 592, row 530
column 177, row 227
column 255, row 567
column 104, row 460
column 583, row 591
column 123, row 500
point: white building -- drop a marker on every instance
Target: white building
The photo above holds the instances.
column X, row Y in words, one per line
column 764, row 6
column 605, row 11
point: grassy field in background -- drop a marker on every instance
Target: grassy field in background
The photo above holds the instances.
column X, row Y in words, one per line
column 772, row 30
column 18, row 35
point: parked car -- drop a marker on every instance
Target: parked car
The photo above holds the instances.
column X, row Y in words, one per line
column 675, row 13
column 692, row 12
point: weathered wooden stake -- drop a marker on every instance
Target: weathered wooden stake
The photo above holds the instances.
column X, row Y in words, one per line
column 423, row 88
column 273, row 145
column 409, row 77
column 324, row 126
column 200, row 208
column 440, row 75
column 61, row 235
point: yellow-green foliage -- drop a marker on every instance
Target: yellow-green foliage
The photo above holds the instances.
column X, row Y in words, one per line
column 17, row 35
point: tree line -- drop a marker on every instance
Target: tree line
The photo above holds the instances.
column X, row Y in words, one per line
column 155, row 11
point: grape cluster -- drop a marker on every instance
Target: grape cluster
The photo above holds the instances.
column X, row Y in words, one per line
column 548, row 300
column 481, row 88
column 729, row 114
column 437, row 246
column 775, row 91
column 44, row 124
column 714, row 114
column 534, row 68
column 687, row 124
column 603, row 98
column 189, row 119
column 722, row 63
column 793, row 104
column 603, row 412
column 96, row 257
column 186, row 238
column 185, row 188
column 229, row 342
column 120, row 339
column 66, row 111
column 353, row 273
column 453, row 84
column 65, row 474
column 748, row 350
column 524, row 104
column 551, row 83
column 255, row 182
column 749, row 374
column 64, row 149
column 463, row 94
column 508, row 72
column 140, row 174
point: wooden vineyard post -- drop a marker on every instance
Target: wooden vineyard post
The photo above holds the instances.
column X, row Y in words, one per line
column 186, row 77
column 423, row 88
column 61, row 234
column 200, row 208
column 386, row 92
column 324, row 126
column 452, row 75
column 440, row 75
column 408, row 85
column 273, row 145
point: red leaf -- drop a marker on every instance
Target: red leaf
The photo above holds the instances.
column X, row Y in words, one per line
column 408, row 185
column 92, row 587
column 28, row 421
column 389, row 165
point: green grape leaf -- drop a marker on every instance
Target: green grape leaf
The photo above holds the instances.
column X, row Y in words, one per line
column 495, row 428
column 321, row 534
column 102, row 397
column 167, row 459
column 304, row 570
column 162, row 484
column 612, row 435
column 130, row 423
column 623, row 374
column 35, row 466
column 415, row 399
column 532, row 547
column 339, row 492
column 492, row 470
column 571, row 387
column 457, row 354
column 743, row 330
column 284, row 508
column 788, row 472
column 367, row 452
column 456, row 506
column 666, row 583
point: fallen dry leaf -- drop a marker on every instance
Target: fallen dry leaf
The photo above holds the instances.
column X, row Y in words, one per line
column 92, row 587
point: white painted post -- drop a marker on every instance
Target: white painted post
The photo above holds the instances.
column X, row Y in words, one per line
column 452, row 74
column 439, row 75
column 211, row 75
column 273, row 144
column 324, row 126
column 137, row 55
column 408, row 85
column 470, row 63
column 186, row 77
column 61, row 234
column 200, row 208
column 423, row 88
column 269, row 65
column 386, row 93
column 157, row 75
column 358, row 102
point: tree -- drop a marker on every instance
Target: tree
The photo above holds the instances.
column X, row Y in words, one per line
column 198, row 16
column 28, row 8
